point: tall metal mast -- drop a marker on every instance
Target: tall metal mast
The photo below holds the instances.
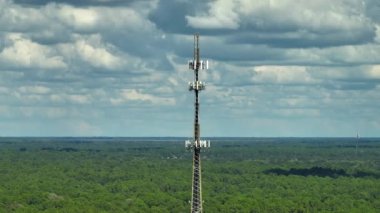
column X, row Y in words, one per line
column 357, row 143
column 196, row 64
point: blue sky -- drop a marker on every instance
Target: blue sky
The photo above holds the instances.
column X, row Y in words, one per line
column 119, row 68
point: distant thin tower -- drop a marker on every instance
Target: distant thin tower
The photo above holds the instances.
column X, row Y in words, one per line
column 357, row 143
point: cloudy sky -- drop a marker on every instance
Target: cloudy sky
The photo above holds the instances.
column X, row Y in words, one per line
column 119, row 67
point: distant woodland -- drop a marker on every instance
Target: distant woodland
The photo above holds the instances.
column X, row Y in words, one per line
column 154, row 175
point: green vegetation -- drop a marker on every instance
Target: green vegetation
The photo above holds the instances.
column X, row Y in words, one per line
column 154, row 175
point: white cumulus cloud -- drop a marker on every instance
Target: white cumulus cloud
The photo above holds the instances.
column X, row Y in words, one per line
column 221, row 15
column 131, row 95
column 24, row 53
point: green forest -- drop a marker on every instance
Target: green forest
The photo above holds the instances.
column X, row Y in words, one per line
column 154, row 175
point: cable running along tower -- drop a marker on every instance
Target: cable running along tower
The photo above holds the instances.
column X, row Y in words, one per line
column 196, row 144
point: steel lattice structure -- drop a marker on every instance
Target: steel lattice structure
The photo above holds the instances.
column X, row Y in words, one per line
column 196, row 64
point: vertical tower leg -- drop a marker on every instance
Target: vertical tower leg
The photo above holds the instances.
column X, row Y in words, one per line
column 196, row 200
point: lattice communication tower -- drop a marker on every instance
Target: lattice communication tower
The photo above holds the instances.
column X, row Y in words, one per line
column 197, row 144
